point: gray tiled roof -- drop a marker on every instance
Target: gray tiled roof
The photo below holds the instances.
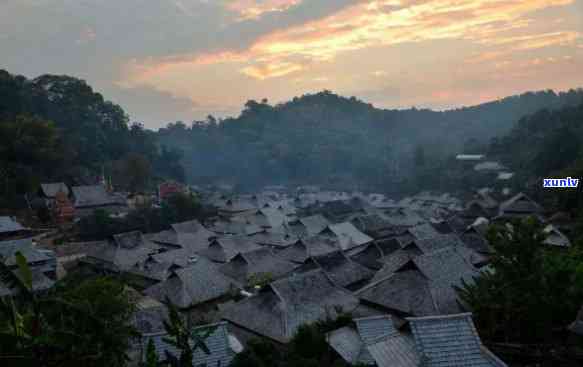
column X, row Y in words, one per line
column 89, row 196
column 9, row 248
column 280, row 308
column 270, row 238
column 347, row 236
column 50, row 190
column 261, row 261
column 405, row 291
column 346, row 342
column 120, row 258
column 450, row 341
column 577, row 325
column 395, row 351
column 372, row 328
column 520, row 204
column 217, row 342
column 150, row 320
column 8, row 224
column 302, row 249
column 314, row 224
column 423, row 231
column 225, row 248
column 199, row 282
column 341, row 270
column 555, row 237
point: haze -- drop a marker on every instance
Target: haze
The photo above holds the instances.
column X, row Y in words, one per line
column 182, row 60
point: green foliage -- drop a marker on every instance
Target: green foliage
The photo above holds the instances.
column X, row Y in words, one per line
column 87, row 322
column 531, row 290
column 184, row 337
column 308, row 347
column 260, row 279
column 328, row 139
column 56, row 128
column 151, row 355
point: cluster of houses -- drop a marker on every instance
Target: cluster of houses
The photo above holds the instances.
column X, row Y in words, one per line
column 272, row 261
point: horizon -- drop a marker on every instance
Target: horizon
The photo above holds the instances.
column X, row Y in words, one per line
column 185, row 59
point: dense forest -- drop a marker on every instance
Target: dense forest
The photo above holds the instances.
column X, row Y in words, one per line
column 548, row 143
column 328, row 139
column 56, row 128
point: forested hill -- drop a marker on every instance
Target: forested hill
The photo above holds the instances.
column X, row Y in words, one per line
column 548, row 143
column 326, row 138
column 56, row 128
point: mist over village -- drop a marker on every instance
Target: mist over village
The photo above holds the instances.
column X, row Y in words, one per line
column 291, row 183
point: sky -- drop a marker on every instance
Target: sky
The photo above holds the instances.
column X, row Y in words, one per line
column 171, row 60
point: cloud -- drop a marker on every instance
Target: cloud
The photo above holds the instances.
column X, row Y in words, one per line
column 271, row 70
column 254, row 9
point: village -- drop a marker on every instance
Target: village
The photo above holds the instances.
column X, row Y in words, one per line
column 266, row 263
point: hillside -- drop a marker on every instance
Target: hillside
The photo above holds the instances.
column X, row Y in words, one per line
column 328, row 139
column 56, row 128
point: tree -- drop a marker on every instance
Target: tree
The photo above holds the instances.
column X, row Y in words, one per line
column 531, row 290
column 151, row 355
column 184, row 337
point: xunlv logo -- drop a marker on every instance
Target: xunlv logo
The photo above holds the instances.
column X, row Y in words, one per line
column 560, row 182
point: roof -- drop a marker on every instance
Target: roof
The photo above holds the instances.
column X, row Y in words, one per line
column 520, row 204
column 275, row 239
column 469, row 157
column 577, row 325
column 437, row 242
column 281, row 307
column 489, row 166
column 395, row 351
column 314, row 224
column 9, row 224
column 505, row 175
column 421, row 285
column 199, row 282
column 260, row 261
column 150, row 320
column 192, row 227
column 50, row 190
column 126, row 251
column 217, row 342
column 347, row 235
column 450, row 341
column 423, row 231
column 225, row 248
column 9, row 248
column 341, row 270
column 302, row 249
column 94, row 195
column 555, row 237
column 362, row 345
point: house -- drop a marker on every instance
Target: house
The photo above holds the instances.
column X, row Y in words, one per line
column 122, row 254
column 372, row 253
column 9, row 227
column 576, row 326
column 520, row 206
column 48, row 192
column 169, row 188
column 375, row 226
column 43, row 263
column 308, row 226
column 222, row 346
column 450, row 340
column 281, row 307
column 63, row 208
column 199, row 282
column 340, row 269
column 555, row 237
column 475, row 240
column 91, row 197
column 423, row 231
column 489, row 166
column 303, row 248
column 232, row 207
column 273, row 239
column 223, row 249
column 346, row 235
column 421, row 285
column 246, row 267
column 352, row 342
column 432, row 341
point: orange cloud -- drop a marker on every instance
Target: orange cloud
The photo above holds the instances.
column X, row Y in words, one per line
column 271, row 70
column 373, row 23
column 253, row 9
